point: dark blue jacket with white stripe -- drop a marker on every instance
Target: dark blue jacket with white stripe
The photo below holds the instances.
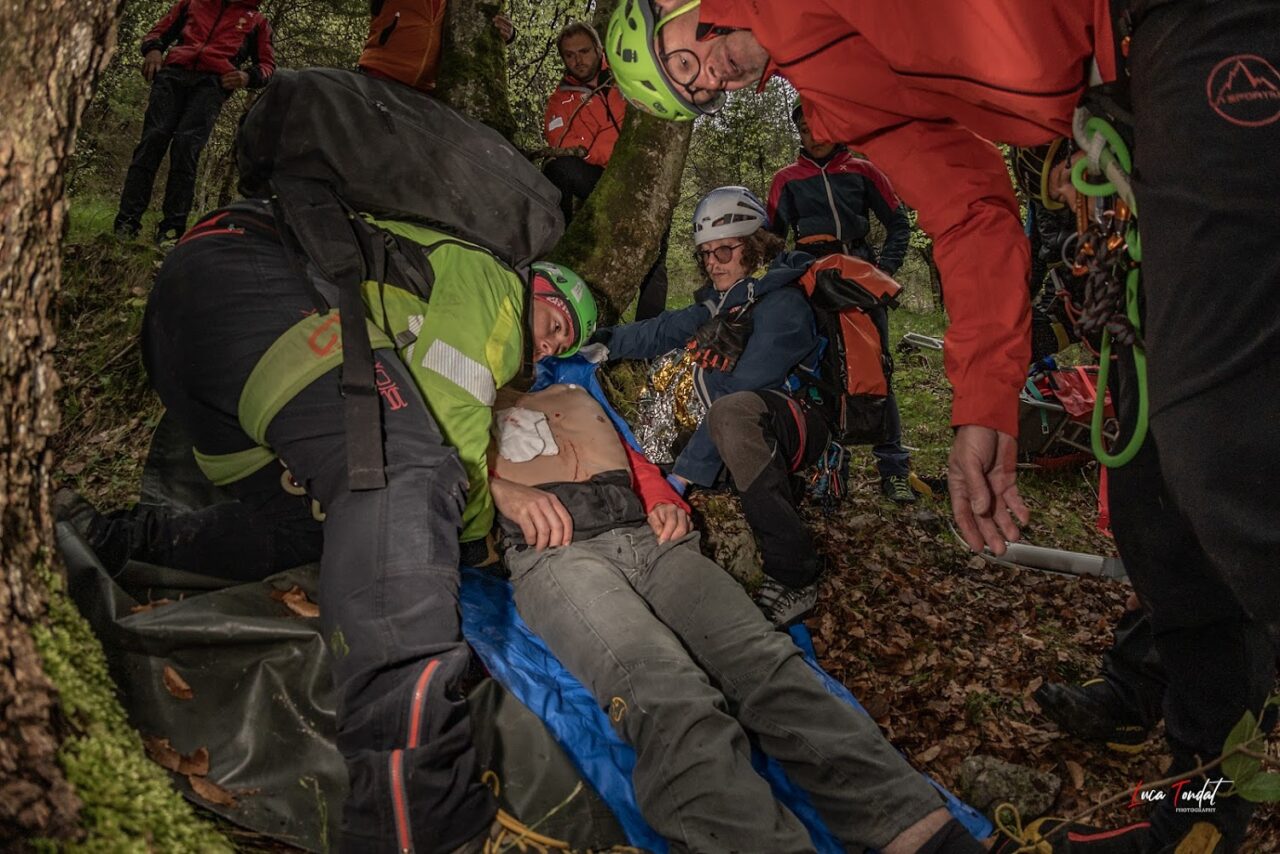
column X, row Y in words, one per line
column 833, row 197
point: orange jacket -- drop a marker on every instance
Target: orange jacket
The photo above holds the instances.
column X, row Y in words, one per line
column 586, row 116
column 919, row 86
column 404, row 42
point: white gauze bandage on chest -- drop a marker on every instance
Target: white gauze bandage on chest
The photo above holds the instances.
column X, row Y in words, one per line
column 523, row 434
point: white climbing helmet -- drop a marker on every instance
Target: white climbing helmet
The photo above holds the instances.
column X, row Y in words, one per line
column 728, row 212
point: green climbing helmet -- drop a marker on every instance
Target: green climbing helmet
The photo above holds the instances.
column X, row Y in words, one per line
column 630, row 45
column 569, row 292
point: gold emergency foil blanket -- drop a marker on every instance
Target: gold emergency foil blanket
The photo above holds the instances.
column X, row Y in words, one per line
column 668, row 407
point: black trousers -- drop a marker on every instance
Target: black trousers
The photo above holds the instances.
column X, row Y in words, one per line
column 575, row 178
column 1133, row 670
column 1195, row 514
column 763, row 436
column 389, row 569
column 1205, row 573
column 180, row 116
column 268, row 528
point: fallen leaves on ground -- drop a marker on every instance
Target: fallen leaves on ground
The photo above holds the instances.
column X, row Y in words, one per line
column 944, row 649
column 1077, row 774
column 296, row 600
column 194, row 767
column 163, row 754
column 176, row 685
column 211, row 792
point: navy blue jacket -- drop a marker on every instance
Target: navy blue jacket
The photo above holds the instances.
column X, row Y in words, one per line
column 782, row 336
column 834, row 197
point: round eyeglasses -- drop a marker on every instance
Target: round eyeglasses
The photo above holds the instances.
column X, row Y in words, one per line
column 723, row 254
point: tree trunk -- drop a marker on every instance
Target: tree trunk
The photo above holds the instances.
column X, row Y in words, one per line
column 473, row 65
column 50, row 55
column 613, row 239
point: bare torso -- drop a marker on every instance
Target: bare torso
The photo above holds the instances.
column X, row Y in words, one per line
column 587, row 441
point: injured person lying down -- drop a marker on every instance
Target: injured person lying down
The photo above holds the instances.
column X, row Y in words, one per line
column 606, row 569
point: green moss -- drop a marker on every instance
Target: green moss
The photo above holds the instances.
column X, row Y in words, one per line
column 129, row 803
column 623, row 212
column 473, row 68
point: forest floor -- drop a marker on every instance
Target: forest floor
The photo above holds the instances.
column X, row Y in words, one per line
column 942, row 648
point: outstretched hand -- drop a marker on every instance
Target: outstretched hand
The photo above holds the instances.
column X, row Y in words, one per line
column 981, row 477
column 669, row 522
column 542, row 518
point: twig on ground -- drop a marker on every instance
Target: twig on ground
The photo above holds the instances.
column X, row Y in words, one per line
column 119, row 354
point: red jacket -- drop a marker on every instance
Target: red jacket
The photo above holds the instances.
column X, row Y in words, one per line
column 919, row 86
column 649, row 483
column 580, row 115
column 216, row 36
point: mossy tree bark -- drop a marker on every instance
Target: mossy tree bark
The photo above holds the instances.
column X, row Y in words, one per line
column 614, row 238
column 473, row 65
column 51, row 53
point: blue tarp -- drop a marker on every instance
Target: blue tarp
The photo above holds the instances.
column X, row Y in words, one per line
column 522, row 663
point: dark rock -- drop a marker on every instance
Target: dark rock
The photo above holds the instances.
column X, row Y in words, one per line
column 987, row 782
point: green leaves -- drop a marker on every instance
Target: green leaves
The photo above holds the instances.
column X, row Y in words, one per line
column 1245, row 771
column 1240, row 768
column 1261, row 788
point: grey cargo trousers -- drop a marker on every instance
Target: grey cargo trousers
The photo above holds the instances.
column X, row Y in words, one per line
column 685, row 665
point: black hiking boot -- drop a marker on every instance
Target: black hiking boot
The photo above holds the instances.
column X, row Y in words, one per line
column 69, row 506
column 105, row 539
column 897, row 488
column 1092, row 712
column 167, row 238
column 125, row 230
column 783, row 605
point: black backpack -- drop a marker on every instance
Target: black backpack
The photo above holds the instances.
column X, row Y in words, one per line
column 326, row 145
column 396, row 153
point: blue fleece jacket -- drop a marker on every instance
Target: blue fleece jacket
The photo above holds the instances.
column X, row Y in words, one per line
column 782, row 336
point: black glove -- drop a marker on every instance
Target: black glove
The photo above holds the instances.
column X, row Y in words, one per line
column 718, row 343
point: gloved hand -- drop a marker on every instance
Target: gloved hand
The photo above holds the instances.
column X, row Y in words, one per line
column 718, row 343
column 594, row 353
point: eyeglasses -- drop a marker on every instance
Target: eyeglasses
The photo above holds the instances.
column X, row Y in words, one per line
column 682, row 68
column 723, row 254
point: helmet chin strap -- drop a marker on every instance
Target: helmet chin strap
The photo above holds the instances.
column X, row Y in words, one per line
column 525, row 377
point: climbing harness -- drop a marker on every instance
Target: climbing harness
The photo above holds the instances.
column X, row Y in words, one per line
column 1106, row 253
